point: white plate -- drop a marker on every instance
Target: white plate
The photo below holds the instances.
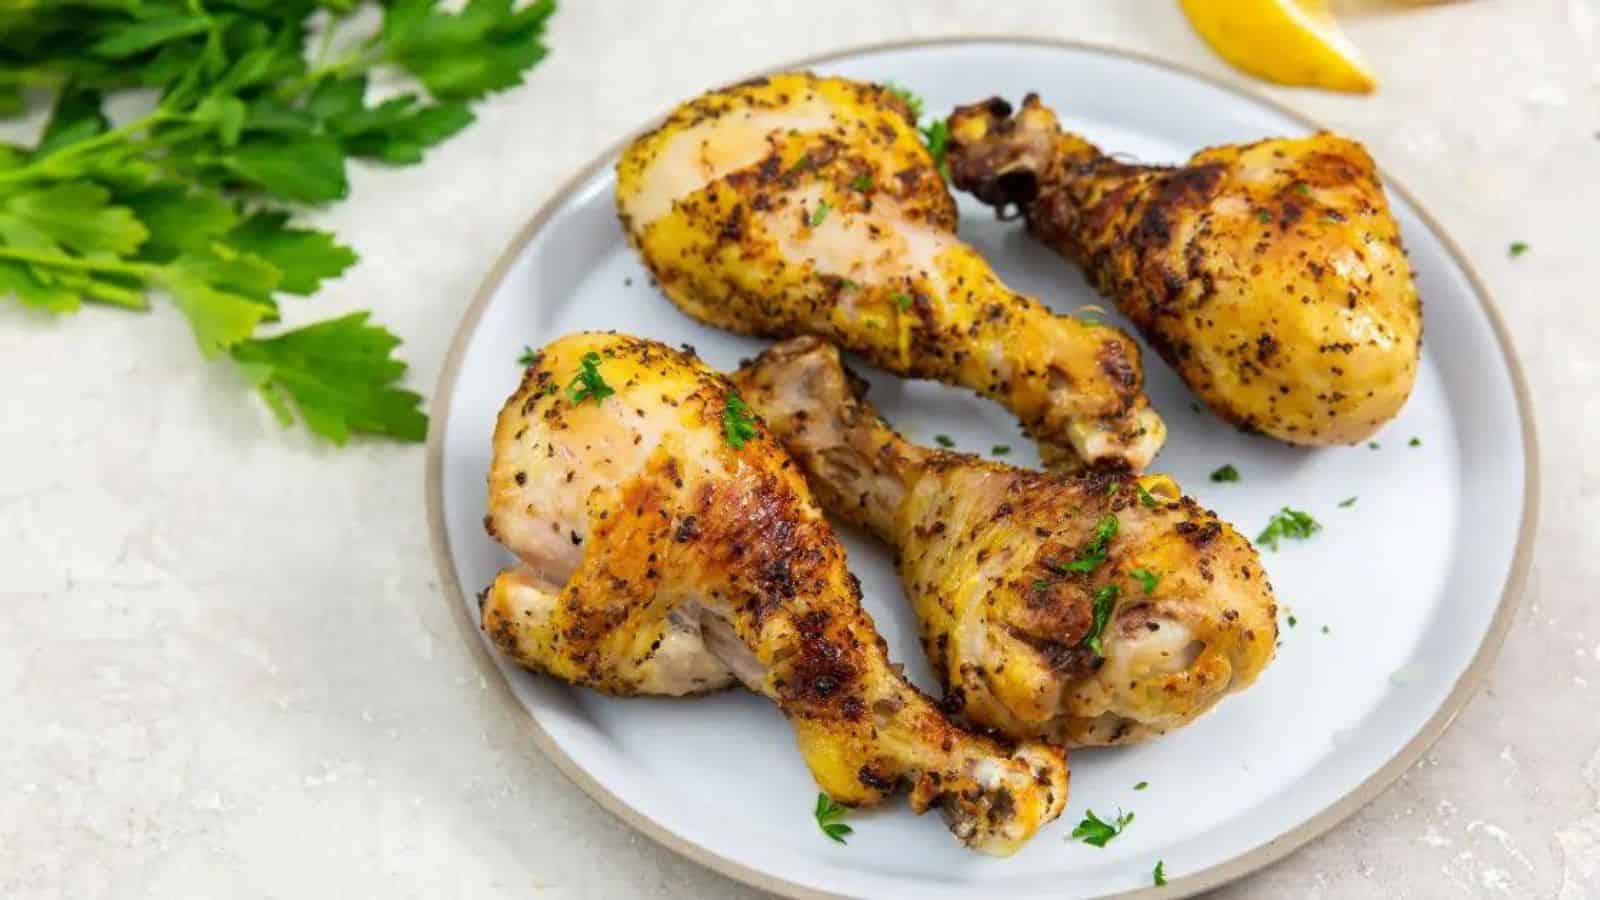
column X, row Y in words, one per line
column 1400, row 601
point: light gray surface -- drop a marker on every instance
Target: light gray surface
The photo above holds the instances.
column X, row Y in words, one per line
column 225, row 668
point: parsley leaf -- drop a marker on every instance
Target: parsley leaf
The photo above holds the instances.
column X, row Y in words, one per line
column 1225, row 473
column 1094, row 552
column 1145, row 497
column 340, row 374
column 861, row 183
column 1147, row 579
column 937, row 136
column 944, row 441
column 737, row 424
column 1096, row 832
column 902, row 300
column 1347, row 502
column 912, row 101
column 1414, row 442
column 1159, row 873
column 820, row 213
column 1105, row 602
column 1000, row 449
column 588, row 382
column 484, row 48
column 1517, row 249
column 529, row 356
column 828, row 814
column 1287, row 523
column 304, row 257
column 1141, row 785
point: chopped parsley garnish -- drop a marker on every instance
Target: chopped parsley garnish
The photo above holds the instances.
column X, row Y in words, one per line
column 1141, row 785
column 999, row 449
column 1263, row 216
column 1287, row 523
column 1373, row 445
column 846, row 284
column 904, row 93
column 944, row 441
column 1105, row 600
column 1415, row 442
column 1326, row 630
column 828, row 814
column 937, row 136
column 588, row 383
column 1040, row 585
column 1145, row 497
column 529, row 356
column 1347, row 502
column 1160, row 874
column 1226, row 473
column 1293, row 621
column 1147, row 579
column 1095, row 832
column 1302, row 188
column 821, row 213
column 738, row 426
column 862, row 183
column 902, row 300
column 1094, row 552
column 1518, row 248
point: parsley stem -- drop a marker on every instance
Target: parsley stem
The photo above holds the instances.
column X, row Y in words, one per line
column 37, row 76
column 358, row 59
column 51, row 166
column 63, row 261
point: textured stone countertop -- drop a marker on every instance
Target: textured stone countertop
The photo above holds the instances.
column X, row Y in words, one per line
column 225, row 668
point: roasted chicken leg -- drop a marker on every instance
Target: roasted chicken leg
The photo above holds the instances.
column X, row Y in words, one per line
column 1090, row 609
column 668, row 545
column 802, row 205
column 1270, row 275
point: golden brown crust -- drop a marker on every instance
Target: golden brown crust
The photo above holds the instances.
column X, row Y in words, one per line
column 1004, row 567
column 660, row 556
column 1271, row 274
column 805, row 205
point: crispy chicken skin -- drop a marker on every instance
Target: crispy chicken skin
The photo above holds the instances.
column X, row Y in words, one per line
column 992, row 557
column 1271, row 275
column 802, row 205
column 657, row 558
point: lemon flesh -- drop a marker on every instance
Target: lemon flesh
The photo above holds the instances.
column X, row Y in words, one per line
column 1293, row 42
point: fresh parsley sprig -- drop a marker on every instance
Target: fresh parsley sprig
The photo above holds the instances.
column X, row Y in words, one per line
column 187, row 200
column 828, row 814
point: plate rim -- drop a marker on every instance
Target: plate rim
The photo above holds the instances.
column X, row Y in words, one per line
column 1229, row 870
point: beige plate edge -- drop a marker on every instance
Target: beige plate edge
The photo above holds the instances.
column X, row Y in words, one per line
column 1180, row 886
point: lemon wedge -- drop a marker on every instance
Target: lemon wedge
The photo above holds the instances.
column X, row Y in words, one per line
column 1287, row 41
